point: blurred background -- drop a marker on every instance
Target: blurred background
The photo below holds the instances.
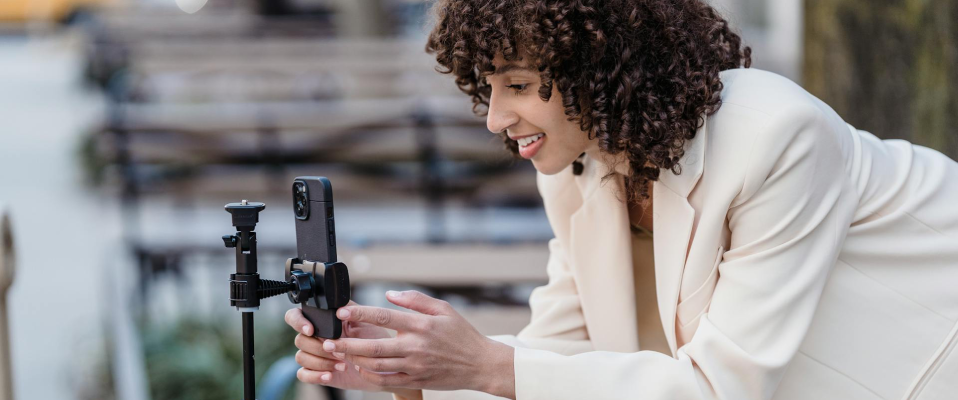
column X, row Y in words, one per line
column 126, row 125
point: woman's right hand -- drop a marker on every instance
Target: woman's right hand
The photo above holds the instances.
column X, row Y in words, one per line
column 325, row 368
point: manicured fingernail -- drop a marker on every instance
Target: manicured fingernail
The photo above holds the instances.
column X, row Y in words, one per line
column 339, row 355
column 326, row 377
column 343, row 313
column 306, row 329
column 357, row 367
column 341, row 367
column 329, row 346
column 393, row 294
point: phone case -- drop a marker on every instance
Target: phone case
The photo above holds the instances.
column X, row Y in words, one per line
column 316, row 250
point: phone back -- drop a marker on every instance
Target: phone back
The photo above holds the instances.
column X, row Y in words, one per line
column 315, row 220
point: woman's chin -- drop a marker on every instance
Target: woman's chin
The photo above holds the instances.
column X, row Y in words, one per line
column 548, row 167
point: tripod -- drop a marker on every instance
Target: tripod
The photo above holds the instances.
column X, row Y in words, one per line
column 246, row 288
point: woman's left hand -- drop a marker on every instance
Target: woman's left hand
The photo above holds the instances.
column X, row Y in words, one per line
column 436, row 349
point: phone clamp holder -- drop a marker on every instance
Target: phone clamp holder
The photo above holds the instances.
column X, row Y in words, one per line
column 320, row 300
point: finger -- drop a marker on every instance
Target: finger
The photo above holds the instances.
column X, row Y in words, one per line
column 314, row 377
column 399, row 379
column 396, row 364
column 312, row 362
column 313, row 346
column 386, row 318
column 378, row 348
column 417, row 301
column 294, row 318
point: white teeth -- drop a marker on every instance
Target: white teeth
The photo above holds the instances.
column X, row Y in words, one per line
column 523, row 142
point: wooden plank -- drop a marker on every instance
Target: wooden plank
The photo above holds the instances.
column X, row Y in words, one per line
column 320, row 115
column 449, row 265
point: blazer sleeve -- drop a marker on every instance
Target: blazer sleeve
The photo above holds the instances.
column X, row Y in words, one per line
column 788, row 224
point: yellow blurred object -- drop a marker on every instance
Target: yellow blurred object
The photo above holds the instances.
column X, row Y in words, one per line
column 44, row 10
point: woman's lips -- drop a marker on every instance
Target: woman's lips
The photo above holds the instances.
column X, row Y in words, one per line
column 530, row 151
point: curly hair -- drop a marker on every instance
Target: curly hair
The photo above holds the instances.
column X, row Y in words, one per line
column 638, row 75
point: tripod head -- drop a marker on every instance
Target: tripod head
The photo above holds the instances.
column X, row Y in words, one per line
column 246, row 289
column 245, row 217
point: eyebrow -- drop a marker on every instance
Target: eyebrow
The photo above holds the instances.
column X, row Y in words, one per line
column 510, row 67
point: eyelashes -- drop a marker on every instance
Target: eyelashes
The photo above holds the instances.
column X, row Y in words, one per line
column 518, row 89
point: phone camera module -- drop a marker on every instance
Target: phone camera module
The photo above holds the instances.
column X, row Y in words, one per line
column 300, row 200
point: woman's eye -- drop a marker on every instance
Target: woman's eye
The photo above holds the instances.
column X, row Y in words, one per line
column 518, row 89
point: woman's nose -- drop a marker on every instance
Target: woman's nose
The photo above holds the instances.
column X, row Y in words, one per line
column 499, row 119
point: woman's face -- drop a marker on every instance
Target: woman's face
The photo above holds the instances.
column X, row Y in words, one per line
column 516, row 109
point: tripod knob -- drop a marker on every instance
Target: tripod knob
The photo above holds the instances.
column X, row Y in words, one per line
column 229, row 241
column 301, row 286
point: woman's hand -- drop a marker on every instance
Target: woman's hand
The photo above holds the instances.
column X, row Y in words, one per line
column 330, row 369
column 437, row 349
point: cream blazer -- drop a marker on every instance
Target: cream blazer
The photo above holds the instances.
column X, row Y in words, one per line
column 795, row 258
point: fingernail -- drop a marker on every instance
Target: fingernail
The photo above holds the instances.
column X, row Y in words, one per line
column 339, row 355
column 326, row 377
column 329, row 346
column 343, row 313
column 306, row 329
column 341, row 367
column 393, row 294
column 357, row 367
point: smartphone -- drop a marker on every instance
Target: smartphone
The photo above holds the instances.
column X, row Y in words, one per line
column 316, row 255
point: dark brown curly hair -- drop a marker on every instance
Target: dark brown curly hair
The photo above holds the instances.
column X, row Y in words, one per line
column 639, row 75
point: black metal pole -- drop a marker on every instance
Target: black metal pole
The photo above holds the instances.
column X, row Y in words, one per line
column 249, row 368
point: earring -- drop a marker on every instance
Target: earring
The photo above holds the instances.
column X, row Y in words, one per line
column 577, row 165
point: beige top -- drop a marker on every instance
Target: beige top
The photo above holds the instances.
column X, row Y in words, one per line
column 651, row 334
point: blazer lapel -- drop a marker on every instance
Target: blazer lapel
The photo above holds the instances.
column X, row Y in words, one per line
column 602, row 259
column 673, row 218
column 602, row 251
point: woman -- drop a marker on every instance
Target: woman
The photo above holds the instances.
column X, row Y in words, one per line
column 793, row 256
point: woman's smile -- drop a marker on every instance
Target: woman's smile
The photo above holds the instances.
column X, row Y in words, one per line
column 529, row 145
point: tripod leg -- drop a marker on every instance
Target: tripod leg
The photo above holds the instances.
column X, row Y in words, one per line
column 249, row 368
